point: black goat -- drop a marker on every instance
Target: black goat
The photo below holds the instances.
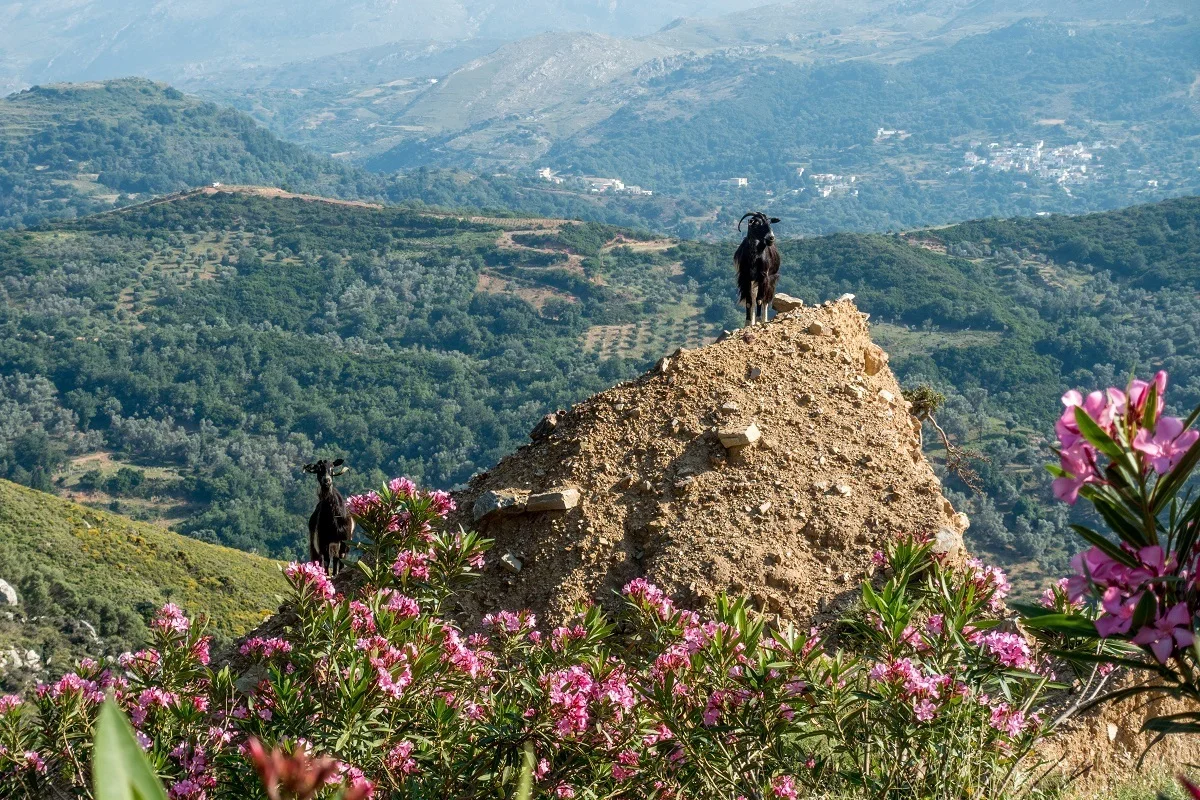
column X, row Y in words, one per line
column 330, row 528
column 757, row 263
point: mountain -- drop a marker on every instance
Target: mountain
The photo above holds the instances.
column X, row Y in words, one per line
column 88, row 581
column 910, row 115
column 73, row 40
column 74, row 149
column 209, row 344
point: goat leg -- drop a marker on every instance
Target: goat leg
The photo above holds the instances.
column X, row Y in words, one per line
column 752, row 305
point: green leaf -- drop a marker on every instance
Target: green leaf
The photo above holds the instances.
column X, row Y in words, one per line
column 1065, row 624
column 1029, row 611
column 1144, row 612
column 1151, row 409
column 1096, row 435
column 1186, row 722
column 120, row 770
column 1110, row 549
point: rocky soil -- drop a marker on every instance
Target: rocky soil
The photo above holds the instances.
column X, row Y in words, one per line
column 773, row 463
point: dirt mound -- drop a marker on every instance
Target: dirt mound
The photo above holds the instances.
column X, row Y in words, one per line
column 773, row 463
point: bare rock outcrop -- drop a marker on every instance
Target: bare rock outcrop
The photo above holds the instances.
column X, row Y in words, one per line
column 773, row 463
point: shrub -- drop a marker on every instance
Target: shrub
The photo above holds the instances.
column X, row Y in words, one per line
column 933, row 699
column 1132, row 602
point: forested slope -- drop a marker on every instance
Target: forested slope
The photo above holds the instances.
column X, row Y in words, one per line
column 210, row 345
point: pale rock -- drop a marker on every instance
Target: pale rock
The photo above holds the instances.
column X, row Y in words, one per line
column 730, row 408
column 817, row 329
column 874, row 359
column 784, row 303
column 962, row 521
column 504, row 501
column 843, row 490
column 8, row 595
column 887, row 396
column 511, row 563
column 949, row 543
column 741, row 436
column 846, row 298
column 555, row 500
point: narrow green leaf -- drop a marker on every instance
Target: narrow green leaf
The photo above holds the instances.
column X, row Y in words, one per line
column 1187, row 722
column 1151, row 409
column 1144, row 612
column 1065, row 624
column 1096, row 435
column 1110, row 549
column 120, row 770
column 1169, row 485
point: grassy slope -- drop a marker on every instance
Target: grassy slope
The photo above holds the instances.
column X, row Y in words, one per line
column 106, row 557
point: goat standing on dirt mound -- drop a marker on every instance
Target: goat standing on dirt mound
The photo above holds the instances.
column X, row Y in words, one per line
column 757, row 263
column 330, row 528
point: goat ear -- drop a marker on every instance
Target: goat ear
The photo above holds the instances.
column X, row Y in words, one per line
column 310, row 467
column 341, row 471
column 775, row 219
column 339, row 462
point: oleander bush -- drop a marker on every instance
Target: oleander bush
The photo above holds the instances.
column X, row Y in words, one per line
column 1133, row 600
column 372, row 685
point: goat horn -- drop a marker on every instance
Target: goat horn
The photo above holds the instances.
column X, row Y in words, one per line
column 743, row 219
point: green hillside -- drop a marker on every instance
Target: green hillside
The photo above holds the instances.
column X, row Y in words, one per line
column 180, row 360
column 69, row 563
column 72, row 149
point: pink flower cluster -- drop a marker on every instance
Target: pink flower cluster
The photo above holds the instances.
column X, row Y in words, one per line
column 360, row 505
column 649, row 597
column 401, row 605
column 171, row 619
column 441, row 503
column 989, row 581
column 1121, row 588
column 412, row 563
column 1010, row 649
column 1161, row 441
column 309, row 579
column 268, row 647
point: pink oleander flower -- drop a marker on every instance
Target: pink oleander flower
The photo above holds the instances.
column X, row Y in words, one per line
column 411, row 563
column 1008, row 719
column 361, row 618
column 8, row 702
column 784, row 786
column 266, row 647
column 441, row 503
column 1118, row 612
column 1079, row 462
column 649, row 596
column 1168, row 632
column 401, row 605
column 402, row 487
column 1139, row 393
column 34, row 762
column 1168, row 443
column 362, row 504
column 935, row 625
column 1010, row 649
column 399, row 759
column 924, row 710
column 563, row 792
column 171, row 618
column 311, row 577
